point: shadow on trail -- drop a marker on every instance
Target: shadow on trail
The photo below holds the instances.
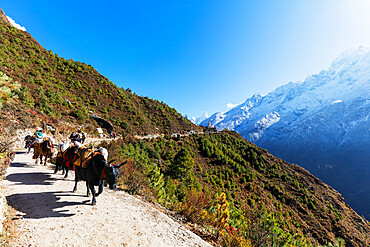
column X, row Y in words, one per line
column 17, row 164
column 42, row 205
column 31, row 178
column 20, row 152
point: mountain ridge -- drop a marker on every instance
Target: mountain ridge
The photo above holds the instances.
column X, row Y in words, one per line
column 63, row 89
column 327, row 111
column 191, row 174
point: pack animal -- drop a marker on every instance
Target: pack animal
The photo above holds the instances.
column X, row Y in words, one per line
column 95, row 172
column 29, row 141
column 60, row 162
column 43, row 149
column 73, row 155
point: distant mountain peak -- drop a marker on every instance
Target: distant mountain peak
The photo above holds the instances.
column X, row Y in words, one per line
column 198, row 120
column 224, row 161
column 322, row 120
column 350, row 57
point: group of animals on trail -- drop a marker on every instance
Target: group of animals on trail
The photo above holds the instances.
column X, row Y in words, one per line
column 89, row 164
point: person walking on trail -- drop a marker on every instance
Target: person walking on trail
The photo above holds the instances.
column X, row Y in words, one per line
column 38, row 134
column 82, row 136
column 74, row 137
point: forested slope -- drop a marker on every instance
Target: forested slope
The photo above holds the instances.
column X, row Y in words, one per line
column 236, row 193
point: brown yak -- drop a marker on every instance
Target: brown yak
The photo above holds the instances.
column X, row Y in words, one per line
column 44, row 148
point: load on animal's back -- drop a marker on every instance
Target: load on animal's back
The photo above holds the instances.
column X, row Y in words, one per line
column 83, row 155
column 30, row 140
column 69, row 156
column 43, row 149
column 94, row 170
column 78, row 136
column 38, row 134
column 59, row 161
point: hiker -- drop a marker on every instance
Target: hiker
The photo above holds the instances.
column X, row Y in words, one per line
column 74, row 137
column 82, row 136
column 38, row 134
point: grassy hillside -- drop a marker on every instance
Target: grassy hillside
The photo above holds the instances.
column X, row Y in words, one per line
column 68, row 90
column 227, row 189
column 271, row 202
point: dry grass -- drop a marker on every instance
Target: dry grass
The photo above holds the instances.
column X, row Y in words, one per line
column 10, row 229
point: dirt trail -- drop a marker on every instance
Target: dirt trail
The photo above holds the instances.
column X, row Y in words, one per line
column 54, row 216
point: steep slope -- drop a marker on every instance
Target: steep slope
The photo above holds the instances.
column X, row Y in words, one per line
column 65, row 90
column 281, row 202
column 195, row 176
column 322, row 124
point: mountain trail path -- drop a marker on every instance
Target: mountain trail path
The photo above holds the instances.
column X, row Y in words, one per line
column 50, row 214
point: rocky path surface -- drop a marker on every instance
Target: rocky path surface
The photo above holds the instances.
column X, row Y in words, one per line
column 51, row 215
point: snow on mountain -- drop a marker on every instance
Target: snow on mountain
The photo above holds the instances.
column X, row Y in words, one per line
column 14, row 24
column 233, row 117
column 323, row 121
column 346, row 80
column 198, row 120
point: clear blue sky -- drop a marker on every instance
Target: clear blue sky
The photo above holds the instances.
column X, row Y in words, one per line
column 197, row 55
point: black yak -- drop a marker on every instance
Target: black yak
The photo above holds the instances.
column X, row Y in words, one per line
column 95, row 171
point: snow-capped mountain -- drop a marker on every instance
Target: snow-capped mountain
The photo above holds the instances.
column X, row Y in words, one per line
column 322, row 123
column 198, row 120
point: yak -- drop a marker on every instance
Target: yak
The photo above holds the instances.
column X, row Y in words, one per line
column 95, row 172
column 64, row 153
column 29, row 141
column 44, row 148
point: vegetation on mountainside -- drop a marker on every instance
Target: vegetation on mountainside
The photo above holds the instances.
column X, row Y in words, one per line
column 9, row 89
column 223, row 183
column 69, row 90
column 8, row 227
column 239, row 194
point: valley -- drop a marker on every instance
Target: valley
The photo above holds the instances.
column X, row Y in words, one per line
column 321, row 124
column 221, row 186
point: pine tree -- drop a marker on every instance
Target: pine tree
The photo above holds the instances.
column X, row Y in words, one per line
column 157, row 182
column 182, row 164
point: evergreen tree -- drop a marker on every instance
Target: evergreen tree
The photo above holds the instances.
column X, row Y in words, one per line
column 157, row 182
column 182, row 164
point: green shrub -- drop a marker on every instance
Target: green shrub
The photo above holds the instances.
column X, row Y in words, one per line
column 181, row 165
column 26, row 97
column 80, row 113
